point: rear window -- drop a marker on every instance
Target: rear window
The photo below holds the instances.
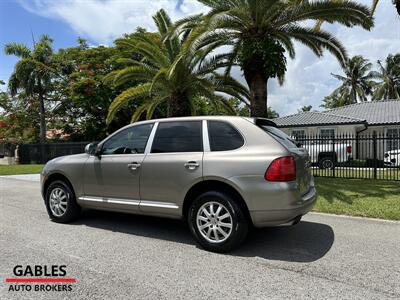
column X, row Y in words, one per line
column 280, row 136
column 223, row 136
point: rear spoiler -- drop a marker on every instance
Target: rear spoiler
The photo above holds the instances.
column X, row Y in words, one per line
column 264, row 122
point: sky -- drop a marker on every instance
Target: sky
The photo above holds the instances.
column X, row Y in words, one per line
column 308, row 78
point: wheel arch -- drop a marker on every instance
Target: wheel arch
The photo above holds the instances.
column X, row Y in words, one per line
column 54, row 177
column 218, row 185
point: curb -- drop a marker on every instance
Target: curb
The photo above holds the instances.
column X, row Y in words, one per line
column 355, row 217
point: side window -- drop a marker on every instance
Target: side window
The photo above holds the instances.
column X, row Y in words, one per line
column 132, row 140
column 178, row 137
column 299, row 134
column 393, row 142
column 223, row 136
column 327, row 133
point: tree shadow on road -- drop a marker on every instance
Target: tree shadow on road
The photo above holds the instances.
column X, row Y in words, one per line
column 305, row 242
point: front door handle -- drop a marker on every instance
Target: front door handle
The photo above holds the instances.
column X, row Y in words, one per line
column 133, row 166
column 191, row 165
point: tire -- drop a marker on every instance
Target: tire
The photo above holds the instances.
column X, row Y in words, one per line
column 326, row 163
column 217, row 241
column 67, row 210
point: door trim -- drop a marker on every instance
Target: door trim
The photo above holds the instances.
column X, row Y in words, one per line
column 134, row 202
column 110, row 200
column 158, row 204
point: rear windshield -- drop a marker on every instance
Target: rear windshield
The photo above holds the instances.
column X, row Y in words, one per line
column 280, row 136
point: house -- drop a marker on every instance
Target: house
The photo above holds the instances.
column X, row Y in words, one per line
column 366, row 118
column 381, row 117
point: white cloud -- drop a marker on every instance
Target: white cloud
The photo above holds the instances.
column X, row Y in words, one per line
column 104, row 20
column 308, row 78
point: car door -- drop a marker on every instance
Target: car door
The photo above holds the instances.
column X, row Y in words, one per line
column 111, row 179
column 173, row 165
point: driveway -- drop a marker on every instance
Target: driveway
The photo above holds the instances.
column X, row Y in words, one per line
column 121, row 256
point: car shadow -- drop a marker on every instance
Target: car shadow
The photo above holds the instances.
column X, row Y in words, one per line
column 304, row 242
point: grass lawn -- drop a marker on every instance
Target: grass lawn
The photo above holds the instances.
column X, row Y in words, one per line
column 20, row 169
column 367, row 173
column 358, row 197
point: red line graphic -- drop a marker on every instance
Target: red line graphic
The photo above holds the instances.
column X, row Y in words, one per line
column 36, row 279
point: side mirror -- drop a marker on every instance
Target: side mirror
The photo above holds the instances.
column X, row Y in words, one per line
column 91, row 149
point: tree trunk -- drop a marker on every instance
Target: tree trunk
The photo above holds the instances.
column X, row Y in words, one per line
column 257, row 83
column 42, row 116
column 179, row 106
column 354, row 95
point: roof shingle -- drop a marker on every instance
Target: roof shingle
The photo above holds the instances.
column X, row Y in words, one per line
column 373, row 113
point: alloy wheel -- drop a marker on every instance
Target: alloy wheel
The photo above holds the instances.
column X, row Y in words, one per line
column 58, row 202
column 214, row 222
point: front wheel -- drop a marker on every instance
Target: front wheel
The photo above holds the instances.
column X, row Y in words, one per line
column 60, row 202
column 217, row 222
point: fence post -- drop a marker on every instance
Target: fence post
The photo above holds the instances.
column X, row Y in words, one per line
column 375, row 154
column 335, row 156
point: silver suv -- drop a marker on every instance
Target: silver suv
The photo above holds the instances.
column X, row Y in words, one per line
column 221, row 174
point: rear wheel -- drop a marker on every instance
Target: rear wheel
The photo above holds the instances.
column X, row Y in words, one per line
column 217, row 221
column 60, row 202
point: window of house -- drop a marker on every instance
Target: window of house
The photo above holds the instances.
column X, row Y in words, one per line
column 393, row 141
column 327, row 133
column 298, row 134
column 223, row 136
column 183, row 136
column 131, row 140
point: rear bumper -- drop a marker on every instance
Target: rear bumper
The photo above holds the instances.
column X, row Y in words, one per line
column 275, row 217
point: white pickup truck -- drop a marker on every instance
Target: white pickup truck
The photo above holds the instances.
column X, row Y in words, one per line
column 392, row 158
column 327, row 154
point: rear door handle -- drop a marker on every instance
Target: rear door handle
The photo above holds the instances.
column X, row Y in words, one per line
column 134, row 166
column 191, row 165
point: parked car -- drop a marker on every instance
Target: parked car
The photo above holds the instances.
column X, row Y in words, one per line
column 221, row 174
column 392, row 158
column 326, row 154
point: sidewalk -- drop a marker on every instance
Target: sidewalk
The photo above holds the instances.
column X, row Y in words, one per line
column 26, row 177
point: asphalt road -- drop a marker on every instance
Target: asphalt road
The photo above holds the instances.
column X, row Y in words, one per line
column 117, row 256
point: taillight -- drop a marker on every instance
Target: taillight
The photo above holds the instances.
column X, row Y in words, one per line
column 349, row 149
column 281, row 169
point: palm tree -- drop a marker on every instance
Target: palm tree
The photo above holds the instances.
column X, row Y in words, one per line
column 388, row 86
column 261, row 32
column 305, row 108
column 396, row 3
column 166, row 80
column 357, row 81
column 338, row 98
column 32, row 74
column 373, row 9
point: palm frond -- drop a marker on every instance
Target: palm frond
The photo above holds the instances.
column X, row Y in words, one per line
column 17, row 49
column 130, row 94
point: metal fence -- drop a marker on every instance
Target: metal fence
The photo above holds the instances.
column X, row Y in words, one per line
column 7, row 149
column 374, row 156
column 42, row 153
